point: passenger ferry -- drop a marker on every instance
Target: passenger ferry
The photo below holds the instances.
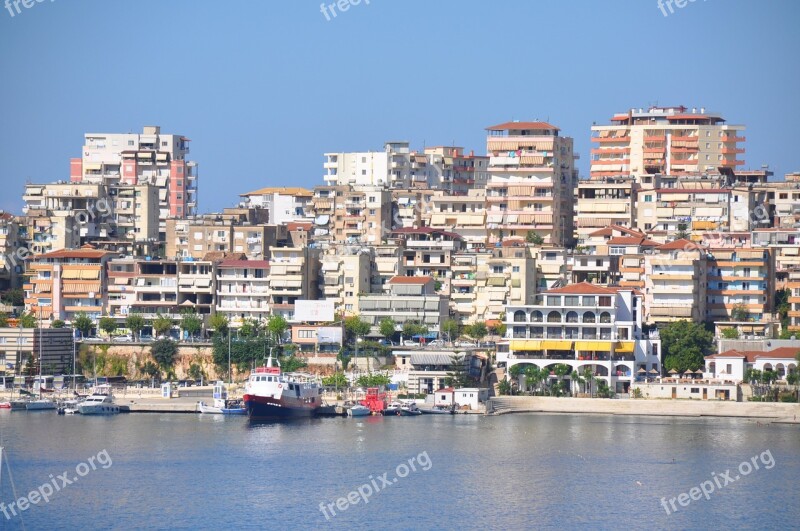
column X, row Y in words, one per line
column 269, row 394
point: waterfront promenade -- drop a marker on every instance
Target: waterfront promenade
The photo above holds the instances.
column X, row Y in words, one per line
column 774, row 411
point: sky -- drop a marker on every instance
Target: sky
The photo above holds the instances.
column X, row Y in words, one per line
column 264, row 88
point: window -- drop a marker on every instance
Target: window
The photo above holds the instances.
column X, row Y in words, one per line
column 514, row 269
column 648, row 198
column 605, row 301
column 305, row 334
column 695, row 390
column 130, row 142
column 164, row 143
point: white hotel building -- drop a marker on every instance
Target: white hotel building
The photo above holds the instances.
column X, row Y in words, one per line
column 583, row 325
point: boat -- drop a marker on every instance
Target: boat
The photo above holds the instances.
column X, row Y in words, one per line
column 5, row 405
column 68, row 407
column 409, row 409
column 100, row 402
column 269, row 394
column 20, row 404
column 393, row 409
column 438, row 410
column 222, row 405
column 358, row 411
column 41, row 404
column 375, row 400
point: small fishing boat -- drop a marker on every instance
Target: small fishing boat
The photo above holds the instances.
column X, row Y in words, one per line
column 409, row 409
column 358, row 411
column 438, row 410
column 68, row 407
column 393, row 409
column 222, row 405
column 5, row 405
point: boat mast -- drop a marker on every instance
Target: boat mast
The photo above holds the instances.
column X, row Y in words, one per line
column 40, row 352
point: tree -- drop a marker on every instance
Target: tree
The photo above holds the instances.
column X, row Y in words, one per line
column 337, row 380
column 219, row 324
column 782, row 306
column 534, row 238
column 83, row 323
column 4, row 320
column 536, row 377
column 249, row 328
column 451, row 328
column 478, row 331
column 387, row 327
column 682, row 231
column 134, row 322
column 196, row 372
column 354, row 327
column 740, row 313
column 58, row 323
column 373, row 380
column 277, row 326
column 411, row 329
column 685, row 345
column 150, row 369
column 457, row 376
column 191, row 323
column 108, row 325
column 730, row 333
column 14, row 297
column 28, row 320
column 292, row 363
column 162, row 325
column 163, row 352
column 561, row 370
column 504, row 387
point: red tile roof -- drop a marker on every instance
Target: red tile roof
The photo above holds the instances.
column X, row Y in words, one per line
column 583, row 288
column 787, row 353
column 298, row 225
column 521, row 125
column 87, row 251
column 679, row 245
column 608, row 231
column 410, row 280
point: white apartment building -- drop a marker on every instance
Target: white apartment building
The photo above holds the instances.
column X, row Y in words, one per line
column 284, row 204
column 242, row 290
column 345, row 276
column 150, row 157
column 390, row 168
column 409, row 299
column 464, row 215
column 675, row 283
column 583, row 325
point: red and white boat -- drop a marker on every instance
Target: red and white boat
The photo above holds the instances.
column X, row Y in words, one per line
column 269, row 394
column 5, row 405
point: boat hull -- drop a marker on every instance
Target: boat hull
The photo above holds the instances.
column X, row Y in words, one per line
column 40, row 406
column 268, row 408
column 211, row 410
column 98, row 409
column 358, row 412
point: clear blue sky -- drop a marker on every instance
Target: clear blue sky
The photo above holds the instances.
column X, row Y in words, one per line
column 263, row 88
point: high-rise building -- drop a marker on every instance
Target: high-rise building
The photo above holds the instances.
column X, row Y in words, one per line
column 532, row 177
column 147, row 158
column 665, row 140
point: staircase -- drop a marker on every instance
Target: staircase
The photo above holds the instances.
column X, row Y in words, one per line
column 500, row 405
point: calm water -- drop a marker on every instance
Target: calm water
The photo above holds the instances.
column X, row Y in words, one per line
column 507, row 472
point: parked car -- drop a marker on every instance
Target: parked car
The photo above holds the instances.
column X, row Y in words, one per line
column 465, row 344
column 410, row 343
column 123, row 339
column 145, row 338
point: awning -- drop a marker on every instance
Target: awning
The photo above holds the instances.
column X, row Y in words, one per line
column 625, row 346
column 71, row 274
column 597, row 346
column 122, row 281
column 161, row 181
column 496, row 281
column 162, row 156
column 526, row 345
column 144, row 155
column 90, row 274
column 92, row 166
column 557, row 345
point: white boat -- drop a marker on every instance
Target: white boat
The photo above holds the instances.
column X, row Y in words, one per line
column 68, row 407
column 358, row 411
column 100, row 402
column 393, row 408
column 40, row 404
column 222, row 405
column 409, row 409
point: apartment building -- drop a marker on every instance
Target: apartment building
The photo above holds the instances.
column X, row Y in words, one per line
column 391, row 168
column 354, row 215
column 675, row 281
column 740, row 280
column 532, row 178
column 386, row 264
column 455, row 173
column 135, row 213
column 785, row 247
column 603, row 202
column 665, row 140
column 485, row 281
column 345, row 276
column 66, row 282
column 408, row 299
column 665, row 212
column 284, row 204
column 293, row 274
column 552, row 267
column 152, row 158
column 427, row 252
column 464, row 215
column 793, row 286
column 12, row 263
column 583, row 325
column 21, row 349
column 242, row 290
column 234, row 231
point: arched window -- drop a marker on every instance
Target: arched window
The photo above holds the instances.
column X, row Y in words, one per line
column 536, row 316
column 605, row 317
column 588, row 317
column 554, row 317
column 520, row 316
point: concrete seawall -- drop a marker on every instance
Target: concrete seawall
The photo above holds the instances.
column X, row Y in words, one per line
column 777, row 412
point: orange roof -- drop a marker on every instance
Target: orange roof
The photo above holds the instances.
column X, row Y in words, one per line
column 679, row 245
column 87, row 251
column 282, row 190
column 752, row 355
column 298, row 225
column 242, row 264
column 608, row 231
column 410, row 280
column 583, row 288
column 521, row 125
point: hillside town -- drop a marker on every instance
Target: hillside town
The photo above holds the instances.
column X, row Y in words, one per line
column 508, row 258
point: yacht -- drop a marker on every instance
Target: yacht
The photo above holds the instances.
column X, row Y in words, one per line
column 100, row 402
column 40, row 404
column 270, row 394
